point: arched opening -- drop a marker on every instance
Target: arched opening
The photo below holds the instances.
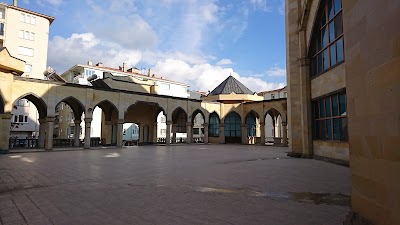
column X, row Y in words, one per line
column 67, row 125
column 25, row 128
column 102, row 129
column 273, row 127
column 144, row 118
column 179, row 120
column 252, row 131
column 198, row 126
column 213, row 126
column 161, row 126
column 233, row 132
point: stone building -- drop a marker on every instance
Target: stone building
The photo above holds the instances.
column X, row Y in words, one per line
column 343, row 65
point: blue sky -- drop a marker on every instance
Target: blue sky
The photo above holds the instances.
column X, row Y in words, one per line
column 199, row 42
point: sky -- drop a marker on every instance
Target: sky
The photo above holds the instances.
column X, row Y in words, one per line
column 198, row 42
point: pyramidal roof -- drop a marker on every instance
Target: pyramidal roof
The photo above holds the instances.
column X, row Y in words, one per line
column 230, row 85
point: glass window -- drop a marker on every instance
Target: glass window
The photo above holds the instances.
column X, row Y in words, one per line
column 33, row 20
column 251, row 125
column 32, row 36
column 232, row 125
column 22, row 17
column 21, row 33
column 25, row 51
column 26, row 36
column 213, row 127
column 27, row 19
column 28, row 68
column 327, row 49
column 331, row 125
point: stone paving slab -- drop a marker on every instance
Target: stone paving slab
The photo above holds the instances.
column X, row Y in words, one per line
column 182, row 184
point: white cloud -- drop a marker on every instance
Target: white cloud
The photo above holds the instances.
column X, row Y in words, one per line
column 121, row 31
column 224, row 62
column 205, row 77
column 80, row 48
column 260, row 4
column 51, row 2
column 276, row 71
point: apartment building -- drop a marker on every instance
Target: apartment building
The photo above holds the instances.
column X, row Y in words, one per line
column 25, row 34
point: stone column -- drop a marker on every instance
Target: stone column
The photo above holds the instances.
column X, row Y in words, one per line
column 245, row 139
column 49, row 133
column 262, row 135
column 189, row 131
column 222, row 133
column 141, row 133
column 77, row 131
column 174, row 133
column 284, row 134
column 42, row 132
column 120, row 130
column 155, row 125
column 205, row 133
column 306, row 119
column 168, row 133
column 88, row 123
column 108, row 132
column 5, row 125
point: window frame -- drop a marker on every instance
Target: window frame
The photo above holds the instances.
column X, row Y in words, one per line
column 213, row 126
column 317, row 118
column 318, row 49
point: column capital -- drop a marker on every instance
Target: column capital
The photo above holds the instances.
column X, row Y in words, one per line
column 77, row 121
column 50, row 119
column 107, row 122
column 121, row 121
column 88, row 120
column 284, row 123
column 221, row 125
column 43, row 120
column 169, row 122
column 243, row 125
column 205, row 124
column 189, row 124
column 304, row 62
column 262, row 124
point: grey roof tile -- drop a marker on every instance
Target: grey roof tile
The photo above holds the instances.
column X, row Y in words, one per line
column 230, row 85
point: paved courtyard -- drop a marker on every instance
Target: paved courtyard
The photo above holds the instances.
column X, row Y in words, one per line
column 183, row 184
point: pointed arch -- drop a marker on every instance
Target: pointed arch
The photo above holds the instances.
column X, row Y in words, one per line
column 326, row 45
column 233, row 129
column 197, row 111
column 251, row 122
column 213, row 125
column 108, row 109
column 177, row 112
column 37, row 101
column 179, row 119
column 77, row 107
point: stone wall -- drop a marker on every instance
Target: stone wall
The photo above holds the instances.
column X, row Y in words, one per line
column 372, row 48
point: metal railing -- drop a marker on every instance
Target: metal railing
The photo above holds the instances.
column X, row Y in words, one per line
column 15, row 143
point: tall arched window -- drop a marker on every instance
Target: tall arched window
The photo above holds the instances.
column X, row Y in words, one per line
column 232, row 125
column 327, row 42
column 251, row 125
column 213, row 127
